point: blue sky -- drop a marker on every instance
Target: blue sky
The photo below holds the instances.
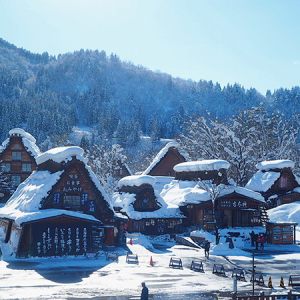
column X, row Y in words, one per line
column 252, row 42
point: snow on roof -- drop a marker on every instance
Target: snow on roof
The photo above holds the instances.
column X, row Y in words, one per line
column 60, row 154
column 125, row 201
column 181, row 193
column 136, row 180
column 162, row 153
column 22, row 133
column 262, row 181
column 28, row 140
column 275, row 164
column 202, row 165
column 285, row 213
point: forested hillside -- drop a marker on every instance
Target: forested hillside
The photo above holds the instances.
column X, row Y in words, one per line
column 47, row 96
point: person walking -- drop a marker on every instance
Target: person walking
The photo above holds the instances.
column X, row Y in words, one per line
column 206, row 249
column 262, row 240
column 252, row 236
column 144, row 295
column 257, row 242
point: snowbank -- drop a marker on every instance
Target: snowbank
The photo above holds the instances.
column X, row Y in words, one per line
column 22, row 133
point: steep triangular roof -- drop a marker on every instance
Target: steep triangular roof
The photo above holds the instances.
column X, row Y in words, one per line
column 181, row 156
column 27, row 202
column 269, row 173
column 125, row 200
column 28, row 141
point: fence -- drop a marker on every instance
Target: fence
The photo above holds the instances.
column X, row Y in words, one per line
column 263, row 296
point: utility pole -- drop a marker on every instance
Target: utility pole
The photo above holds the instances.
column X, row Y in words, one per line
column 253, row 271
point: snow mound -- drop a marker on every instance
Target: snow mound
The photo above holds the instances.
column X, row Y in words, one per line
column 136, row 180
column 59, row 154
column 202, row 165
column 275, row 164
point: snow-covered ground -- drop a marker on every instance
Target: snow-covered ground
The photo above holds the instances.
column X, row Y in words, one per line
column 82, row 278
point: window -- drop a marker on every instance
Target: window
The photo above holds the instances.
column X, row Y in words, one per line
column 26, row 167
column 17, row 147
column 283, row 182
column 6, row 167
column 72, row 202
column 15, row 180
column 16, row 155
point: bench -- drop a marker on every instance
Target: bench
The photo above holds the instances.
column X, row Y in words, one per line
column 218, row 269
column 197, row 265
column 132, row 258
column 258, row 278
column 112, row 256
column 175, row 262
column 94, row 255
column 294, row 280
column 238, row 273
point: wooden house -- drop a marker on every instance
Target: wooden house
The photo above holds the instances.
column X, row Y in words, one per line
column 145, row 209
column 17, row 160
column 202, row 191
column 276, row 181
column 60, row 209
column 165, row 160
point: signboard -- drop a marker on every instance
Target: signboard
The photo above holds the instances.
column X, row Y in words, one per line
column 60, row 239
column 73, row 184
column 84, row 199
column 233, row 204
column 92, row 206
column 56, row 198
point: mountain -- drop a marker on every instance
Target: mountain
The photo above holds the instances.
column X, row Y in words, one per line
column 48, row 95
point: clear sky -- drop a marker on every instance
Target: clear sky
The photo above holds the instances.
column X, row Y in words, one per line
column 252, row 42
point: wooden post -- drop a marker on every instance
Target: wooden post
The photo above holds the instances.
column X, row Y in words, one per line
column 234, row 296
column 262, row 296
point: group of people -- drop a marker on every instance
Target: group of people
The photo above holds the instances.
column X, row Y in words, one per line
column 257, row 240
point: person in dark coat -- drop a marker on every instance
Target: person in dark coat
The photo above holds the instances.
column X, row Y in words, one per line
column 252, row 235
column 206, row 249
column 144, row 295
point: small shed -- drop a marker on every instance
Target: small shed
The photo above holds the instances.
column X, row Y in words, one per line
column 281, row 233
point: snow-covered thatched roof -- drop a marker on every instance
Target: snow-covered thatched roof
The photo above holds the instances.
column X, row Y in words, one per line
column 60, row 154
column 275, row 164
column 202, row 165
column 136, row 180
column 182, row 193
column 161, row 154
column 28, row 140
column 125, row 202
column 262, row 181
column 24, row 204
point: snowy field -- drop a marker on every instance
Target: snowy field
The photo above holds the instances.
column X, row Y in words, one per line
column 82, row 278
column 73, row 278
